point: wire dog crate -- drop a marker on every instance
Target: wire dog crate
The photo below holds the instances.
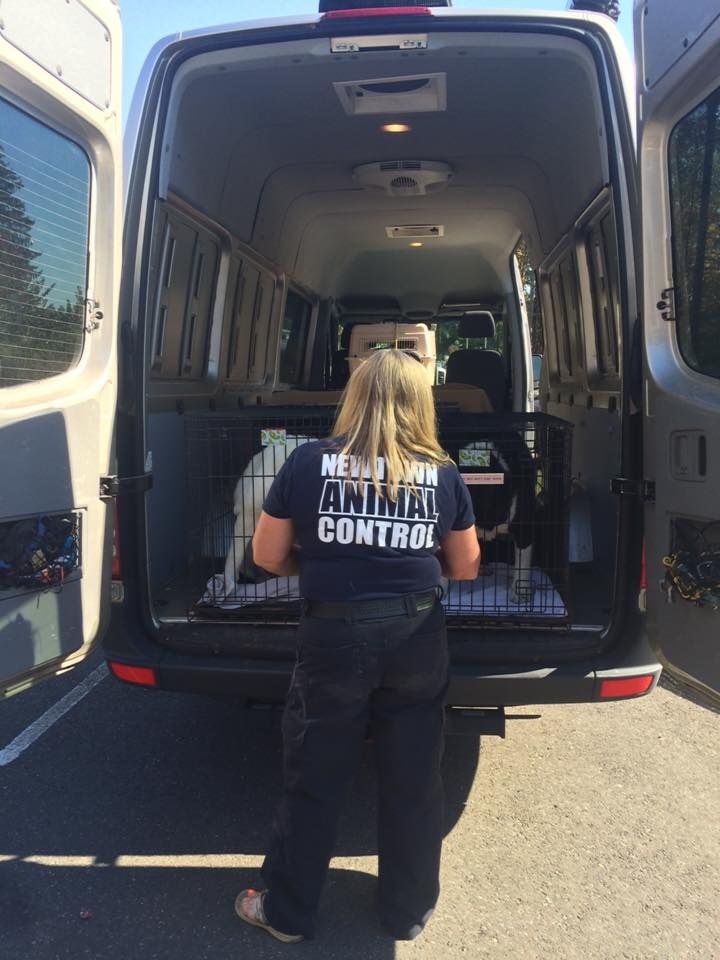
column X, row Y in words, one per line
column 232, row 460
column 516, row 466
column 517, row 469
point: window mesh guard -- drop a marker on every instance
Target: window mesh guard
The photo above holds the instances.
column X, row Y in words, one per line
column 517, row 467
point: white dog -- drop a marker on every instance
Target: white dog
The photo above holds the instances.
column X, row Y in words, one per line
column 250, row 492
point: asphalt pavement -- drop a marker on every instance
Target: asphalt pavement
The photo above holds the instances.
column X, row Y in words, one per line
column 131, row 822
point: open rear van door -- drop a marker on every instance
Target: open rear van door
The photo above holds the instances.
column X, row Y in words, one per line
column 678, row 62
column 60, row 231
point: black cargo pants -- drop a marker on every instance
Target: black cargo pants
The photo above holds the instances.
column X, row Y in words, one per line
column 388, row 675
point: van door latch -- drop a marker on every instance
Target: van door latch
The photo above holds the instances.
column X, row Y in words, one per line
column 119, row 486
column 394, row 42
column 625, row 487
column 666, row 304
column 93, row 314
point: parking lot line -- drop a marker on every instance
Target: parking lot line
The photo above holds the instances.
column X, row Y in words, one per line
column 178, row 861
column 43, row 723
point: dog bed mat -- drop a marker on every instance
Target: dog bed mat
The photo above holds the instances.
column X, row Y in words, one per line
column 488, row 595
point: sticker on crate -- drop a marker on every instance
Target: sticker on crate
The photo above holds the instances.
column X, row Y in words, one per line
column 474, row 458
column 273, row 437
column 492, row 479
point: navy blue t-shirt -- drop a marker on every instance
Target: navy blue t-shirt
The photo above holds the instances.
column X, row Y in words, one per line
column 356, row 545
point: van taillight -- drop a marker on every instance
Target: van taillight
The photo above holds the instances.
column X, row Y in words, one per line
column 115, row 571
column 377, row 12
column 625, row 686
column 333, row 9
column 142, row 676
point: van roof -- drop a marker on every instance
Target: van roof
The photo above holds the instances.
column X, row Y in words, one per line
column 439, row 13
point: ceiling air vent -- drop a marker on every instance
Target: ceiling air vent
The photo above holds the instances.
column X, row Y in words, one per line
column 401, row 165
column 404, row 183
column 415, row 231
column 425, row 93
column 404, row 178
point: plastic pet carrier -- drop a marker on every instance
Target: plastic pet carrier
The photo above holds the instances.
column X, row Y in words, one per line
column 366, row 338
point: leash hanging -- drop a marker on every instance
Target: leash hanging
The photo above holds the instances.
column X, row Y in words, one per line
column 694, row 572
column 38, row 552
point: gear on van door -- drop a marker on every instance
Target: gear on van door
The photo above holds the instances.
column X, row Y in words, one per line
column 39, row 551
column 693, row 570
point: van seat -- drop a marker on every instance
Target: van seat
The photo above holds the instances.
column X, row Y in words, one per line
column 481, row 368
column 340, row 369
column 468, row 398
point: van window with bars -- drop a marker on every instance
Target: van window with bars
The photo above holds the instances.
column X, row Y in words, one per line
column 44, row 212
column 601, row 251
column 293, row 338
column 562, row 296
column 694, row 155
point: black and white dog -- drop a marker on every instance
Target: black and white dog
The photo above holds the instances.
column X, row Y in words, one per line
column 501, row 476
column 250, row 492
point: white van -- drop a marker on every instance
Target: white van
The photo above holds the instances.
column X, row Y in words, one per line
column 473, row 172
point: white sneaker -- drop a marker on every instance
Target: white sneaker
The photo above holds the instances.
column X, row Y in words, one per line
column 249, row 907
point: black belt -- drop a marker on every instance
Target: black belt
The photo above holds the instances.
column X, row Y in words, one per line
column 407, row 606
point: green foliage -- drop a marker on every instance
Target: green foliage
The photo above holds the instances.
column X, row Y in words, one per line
column 695, row 188
column 532, row 301
column 37, row 338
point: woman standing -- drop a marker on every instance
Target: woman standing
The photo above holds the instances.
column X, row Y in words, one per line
column 378, row 513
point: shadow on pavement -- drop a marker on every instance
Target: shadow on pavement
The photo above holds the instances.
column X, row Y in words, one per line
column 140, row 779
column 680, row 689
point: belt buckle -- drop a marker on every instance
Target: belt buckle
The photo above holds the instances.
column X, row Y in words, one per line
column 410, row 605
column 429, row 599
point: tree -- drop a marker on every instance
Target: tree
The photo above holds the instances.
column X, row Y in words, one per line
column 695, row 192
column 37, row 338
column 532, row 302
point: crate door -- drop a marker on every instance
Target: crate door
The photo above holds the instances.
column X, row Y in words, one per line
column 678, row 59
column 60, row 225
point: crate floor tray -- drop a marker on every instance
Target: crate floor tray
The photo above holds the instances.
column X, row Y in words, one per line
column 489, row 595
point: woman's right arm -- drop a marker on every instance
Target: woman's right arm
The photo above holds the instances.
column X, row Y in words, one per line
column 459, row 554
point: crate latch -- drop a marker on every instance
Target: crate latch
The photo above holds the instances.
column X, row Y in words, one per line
column 120, row 486
column 625, row 487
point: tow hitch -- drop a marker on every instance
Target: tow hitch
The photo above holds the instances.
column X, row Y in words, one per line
column 475, row 721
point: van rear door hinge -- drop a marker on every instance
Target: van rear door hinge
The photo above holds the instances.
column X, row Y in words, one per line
column 666, row 304
column 119, row 486
column 625, row 487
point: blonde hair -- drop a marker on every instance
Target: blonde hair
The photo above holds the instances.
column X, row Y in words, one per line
column 387, row 410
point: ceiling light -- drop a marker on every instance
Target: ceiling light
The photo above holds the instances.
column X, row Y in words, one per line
column 396, row 128
column 416, row 243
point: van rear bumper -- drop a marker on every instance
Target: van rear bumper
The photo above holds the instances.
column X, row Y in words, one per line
column 268, row 681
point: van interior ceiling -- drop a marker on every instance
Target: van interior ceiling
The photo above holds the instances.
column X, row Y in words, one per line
column 287, row 216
